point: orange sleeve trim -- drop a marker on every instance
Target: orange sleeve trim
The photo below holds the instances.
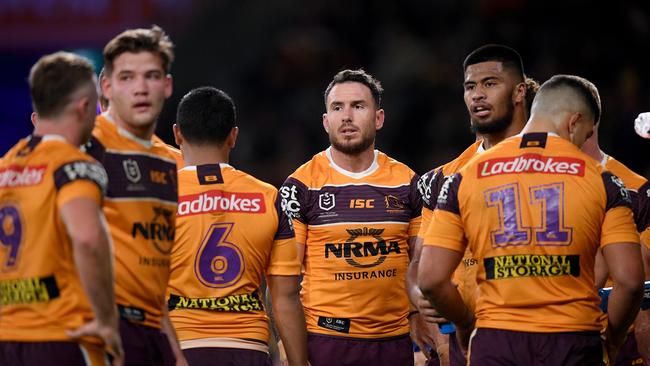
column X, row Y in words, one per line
column 79, row 189
column 446, row 231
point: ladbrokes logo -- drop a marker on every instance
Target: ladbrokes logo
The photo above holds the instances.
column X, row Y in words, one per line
column 220, row 201
column 531, row 265
column 532, row 163
column 18, row 176
column 353, row 249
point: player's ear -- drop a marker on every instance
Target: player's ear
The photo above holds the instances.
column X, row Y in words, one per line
column 169, row 83
column 326, row 123
column 178, row 136
column 34, row 118
column 572, row 125
column 232, row 137
column 379, row 119
column 520, row 93
column 81, row 107
column 105, row 85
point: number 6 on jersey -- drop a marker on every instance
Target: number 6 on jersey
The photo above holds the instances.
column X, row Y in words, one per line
column 219, row 263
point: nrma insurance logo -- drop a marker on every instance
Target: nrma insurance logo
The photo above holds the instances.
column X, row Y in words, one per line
column 365, row 248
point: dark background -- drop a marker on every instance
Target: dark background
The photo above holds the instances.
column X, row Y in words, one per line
column 275, row 58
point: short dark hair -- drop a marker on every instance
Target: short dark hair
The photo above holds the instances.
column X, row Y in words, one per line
column 496, row 52
column 153, row 40
column 358, row 76
column 53, row 80
column 206, row 115
column 583, row 87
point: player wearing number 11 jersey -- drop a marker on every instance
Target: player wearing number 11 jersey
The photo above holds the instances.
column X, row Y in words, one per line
column 534, row 210
column 230, row 233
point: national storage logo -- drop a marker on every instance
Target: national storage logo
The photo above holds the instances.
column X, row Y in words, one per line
column 531, row 265
column 220, row 201
column 531, row 163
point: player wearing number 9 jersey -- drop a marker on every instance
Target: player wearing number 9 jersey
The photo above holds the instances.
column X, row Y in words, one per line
column 534, row 210
column 230, row 233
column 56, row 273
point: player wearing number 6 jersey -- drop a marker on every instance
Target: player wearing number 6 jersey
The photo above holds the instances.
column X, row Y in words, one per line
column 230, row 233
column 534, row 210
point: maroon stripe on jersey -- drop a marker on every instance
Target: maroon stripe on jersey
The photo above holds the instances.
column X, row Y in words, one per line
column 209, row 174
column 448, row 195
column 140, row 176
column 617, row 194
column 360, row 203
column 81, row 169
column 642, row 212
column 285, row 226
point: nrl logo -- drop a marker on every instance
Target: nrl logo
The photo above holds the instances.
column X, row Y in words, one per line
column 326, row 201
column 132, row 170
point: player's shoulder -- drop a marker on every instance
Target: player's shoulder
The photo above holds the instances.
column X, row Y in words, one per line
column 246, row 180
column 394, row 166
column 461, row 160
column 631, row 179
column 309, row 171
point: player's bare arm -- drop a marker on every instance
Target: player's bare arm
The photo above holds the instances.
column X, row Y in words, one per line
column 85, row 224
column 434, row 280
column 289, row 317
column 167, row 328
column 626, row 270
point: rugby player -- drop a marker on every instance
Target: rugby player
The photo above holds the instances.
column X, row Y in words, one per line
column 355, row 212
column 534, row 210
column 231, row 232
column 56, row 274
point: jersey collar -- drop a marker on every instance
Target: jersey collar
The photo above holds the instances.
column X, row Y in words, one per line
column 146, row 143
column 371, row 169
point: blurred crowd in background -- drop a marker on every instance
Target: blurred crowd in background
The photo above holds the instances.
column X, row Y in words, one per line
column 275, row 59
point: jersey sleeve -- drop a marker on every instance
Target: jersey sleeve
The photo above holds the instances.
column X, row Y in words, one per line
column 284, row 253
column 642, row 211
column 446, row 228
column 415, row 203
column 428, row 187
column 293, row 196
column 618, row 224
column 80, row 178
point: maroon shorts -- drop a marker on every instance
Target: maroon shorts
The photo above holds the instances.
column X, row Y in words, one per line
column 503, row 347
column 226, row 357
column 628, row 354
column 325, row 350
column 51, row 354
column 145, row 346
column 456, row 355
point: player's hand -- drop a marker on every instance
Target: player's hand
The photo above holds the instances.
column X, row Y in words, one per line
column 181, row 361
column 427, row 311
column 642, row 125
column 107, row 333
column 422, row 334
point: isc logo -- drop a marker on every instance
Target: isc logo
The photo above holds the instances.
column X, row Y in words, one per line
column 361, row 203
column 158, row 177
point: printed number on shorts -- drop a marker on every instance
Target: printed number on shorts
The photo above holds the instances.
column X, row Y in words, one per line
column 219, row 263
column 512, row 230
column 11, row 234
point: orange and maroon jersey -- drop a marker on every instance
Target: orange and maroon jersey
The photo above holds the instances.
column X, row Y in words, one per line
column 533, row 209
column 41, row 296
column 429, row 186
column 355, row 228
column 230, row 233
column 639, row 189
column 173, row 151
column 140, row 208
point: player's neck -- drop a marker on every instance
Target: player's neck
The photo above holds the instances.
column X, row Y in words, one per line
column 354, row 163
column 592, row 148
column 515, row 127
column 204, row 155
column 541, row 124
column 142, row 132
column 61, row 128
